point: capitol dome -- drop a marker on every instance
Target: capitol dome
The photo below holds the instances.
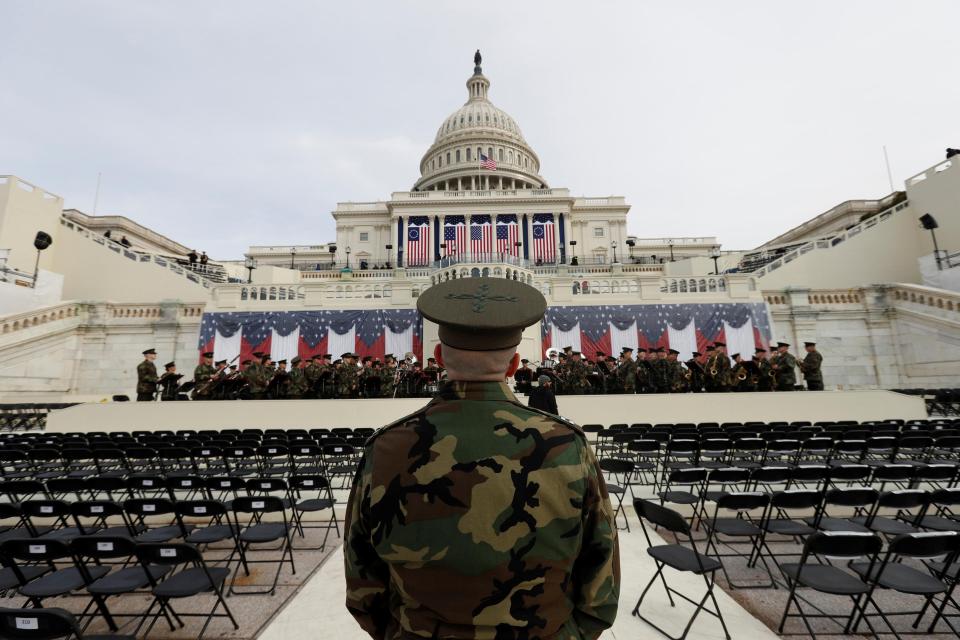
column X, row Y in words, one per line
column 452, row 162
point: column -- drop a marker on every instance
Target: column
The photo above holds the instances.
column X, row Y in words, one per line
column 468, row 218
column 392, row 238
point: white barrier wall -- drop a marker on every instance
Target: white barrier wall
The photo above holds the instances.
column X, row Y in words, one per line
column 703, row 407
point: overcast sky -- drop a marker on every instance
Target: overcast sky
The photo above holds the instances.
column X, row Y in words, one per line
column 225, row 124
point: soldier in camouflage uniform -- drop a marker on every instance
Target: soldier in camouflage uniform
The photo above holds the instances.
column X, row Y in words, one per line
column 577, row 374
column 810, row 367
column 297, row 382
column 348, row 377
column 169, row 382
column 255, row 375
column 643, row 372
column 147, row 377
column 695, row 375
column 561, row 371
column 311, row 376
column 784, row 367
column 388, row 376
column 478, row 517
column 201, row 377
column 765, row 377
column 627, row 371
column 676, row 381
column 718, row 369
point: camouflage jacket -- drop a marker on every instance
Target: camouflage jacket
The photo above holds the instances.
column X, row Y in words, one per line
column 478, row 517
column 627, row 373
column 387, row 377
column 254, row 374
column 146, row 377
column 201, row 375
column 785, row 369
column 810, row 366
column 348, row 379
column 297, row 384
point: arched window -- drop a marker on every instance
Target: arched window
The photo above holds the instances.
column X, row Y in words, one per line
column 673, row 286
column 458, row 155
column 243, row 293
column 712, row 285
column 469, row 154
column 721, row 285
column 448, row 157
column 576, row 288
column 283, row 293
column 490, row 152
column 511, row 157
column 500, row 151
column 486, row 272
column 475, row 272
column 585, row 286
column 683, row 286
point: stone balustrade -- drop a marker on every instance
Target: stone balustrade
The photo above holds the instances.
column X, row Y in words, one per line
column 28, row 319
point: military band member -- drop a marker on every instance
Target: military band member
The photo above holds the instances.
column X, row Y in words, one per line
column 627, row 371
column 201, row 377
column 644, row 374
column 478, row 517
column 169, row 382
column 740, row 375
column 388, row 376
column 297, row 380
column 810, row 367
column 147, row 377
column 523, row 378
column 256, row 376
column 784, row 365
column 694, row 373
column 577, row 374
column 765, row 375
column 348, row 383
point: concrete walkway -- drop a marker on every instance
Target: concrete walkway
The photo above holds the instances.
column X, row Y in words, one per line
column 320, row 602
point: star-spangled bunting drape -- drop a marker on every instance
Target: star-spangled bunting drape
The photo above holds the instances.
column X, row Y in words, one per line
column 652, row 324
column 315, row 327
column 544, row 238
column 455, row 235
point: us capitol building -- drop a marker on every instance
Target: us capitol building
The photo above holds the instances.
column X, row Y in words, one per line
column 861, row 278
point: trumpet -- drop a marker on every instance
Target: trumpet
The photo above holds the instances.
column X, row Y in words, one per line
column 742, row 375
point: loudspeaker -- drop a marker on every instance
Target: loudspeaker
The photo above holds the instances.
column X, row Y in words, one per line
column 42, row 241
column 928, row 222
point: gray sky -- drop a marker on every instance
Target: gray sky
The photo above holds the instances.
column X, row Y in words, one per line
column 225, row 124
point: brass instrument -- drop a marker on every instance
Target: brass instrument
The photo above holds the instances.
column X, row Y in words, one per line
column 741, row 375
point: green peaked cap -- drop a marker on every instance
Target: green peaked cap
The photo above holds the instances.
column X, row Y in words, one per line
column 482, row 314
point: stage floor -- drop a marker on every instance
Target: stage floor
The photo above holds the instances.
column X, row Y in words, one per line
column 695, row 407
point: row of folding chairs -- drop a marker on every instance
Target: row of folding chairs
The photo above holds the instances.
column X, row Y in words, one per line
column 165, row 434
column 202, row 459
column 842, row 563
column 694, row 486
column 106, row 568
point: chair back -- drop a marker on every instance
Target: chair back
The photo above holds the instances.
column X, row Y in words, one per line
column 661, row 516
column 37, row 624
column 843, row 544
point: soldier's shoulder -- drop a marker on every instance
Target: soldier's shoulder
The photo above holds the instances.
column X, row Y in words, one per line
column 406, row 421
column 555, row 419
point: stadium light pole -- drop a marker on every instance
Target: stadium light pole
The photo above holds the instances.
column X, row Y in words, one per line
column 41, row 242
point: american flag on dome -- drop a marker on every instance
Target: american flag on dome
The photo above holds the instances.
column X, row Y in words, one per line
column 372, row 332
column 455, row 235
column 481, row 235
column 507, row 234
column 684, row 327
column 488, row 163
column 418, row 241
column 544, row 238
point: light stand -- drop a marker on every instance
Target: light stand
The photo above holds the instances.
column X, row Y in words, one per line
column 250, row 264
column 348, row 257
column 929, row 223
column 613, row 245
column 293, row 254
column 41, row 242
column 715, row 255
column 389, row 248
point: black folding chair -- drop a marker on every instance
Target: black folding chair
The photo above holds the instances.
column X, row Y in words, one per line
column 193, row 579
column 45, row 624
column 862, row 500
column 258, row 532
column 682, row 558
column 618, row 474
column 942, row 517
column 901, row 501
column 739, row 528
column 91, row 551
column 895, row 575
column 829, row 579
column 28, row 555
column 312, row 494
